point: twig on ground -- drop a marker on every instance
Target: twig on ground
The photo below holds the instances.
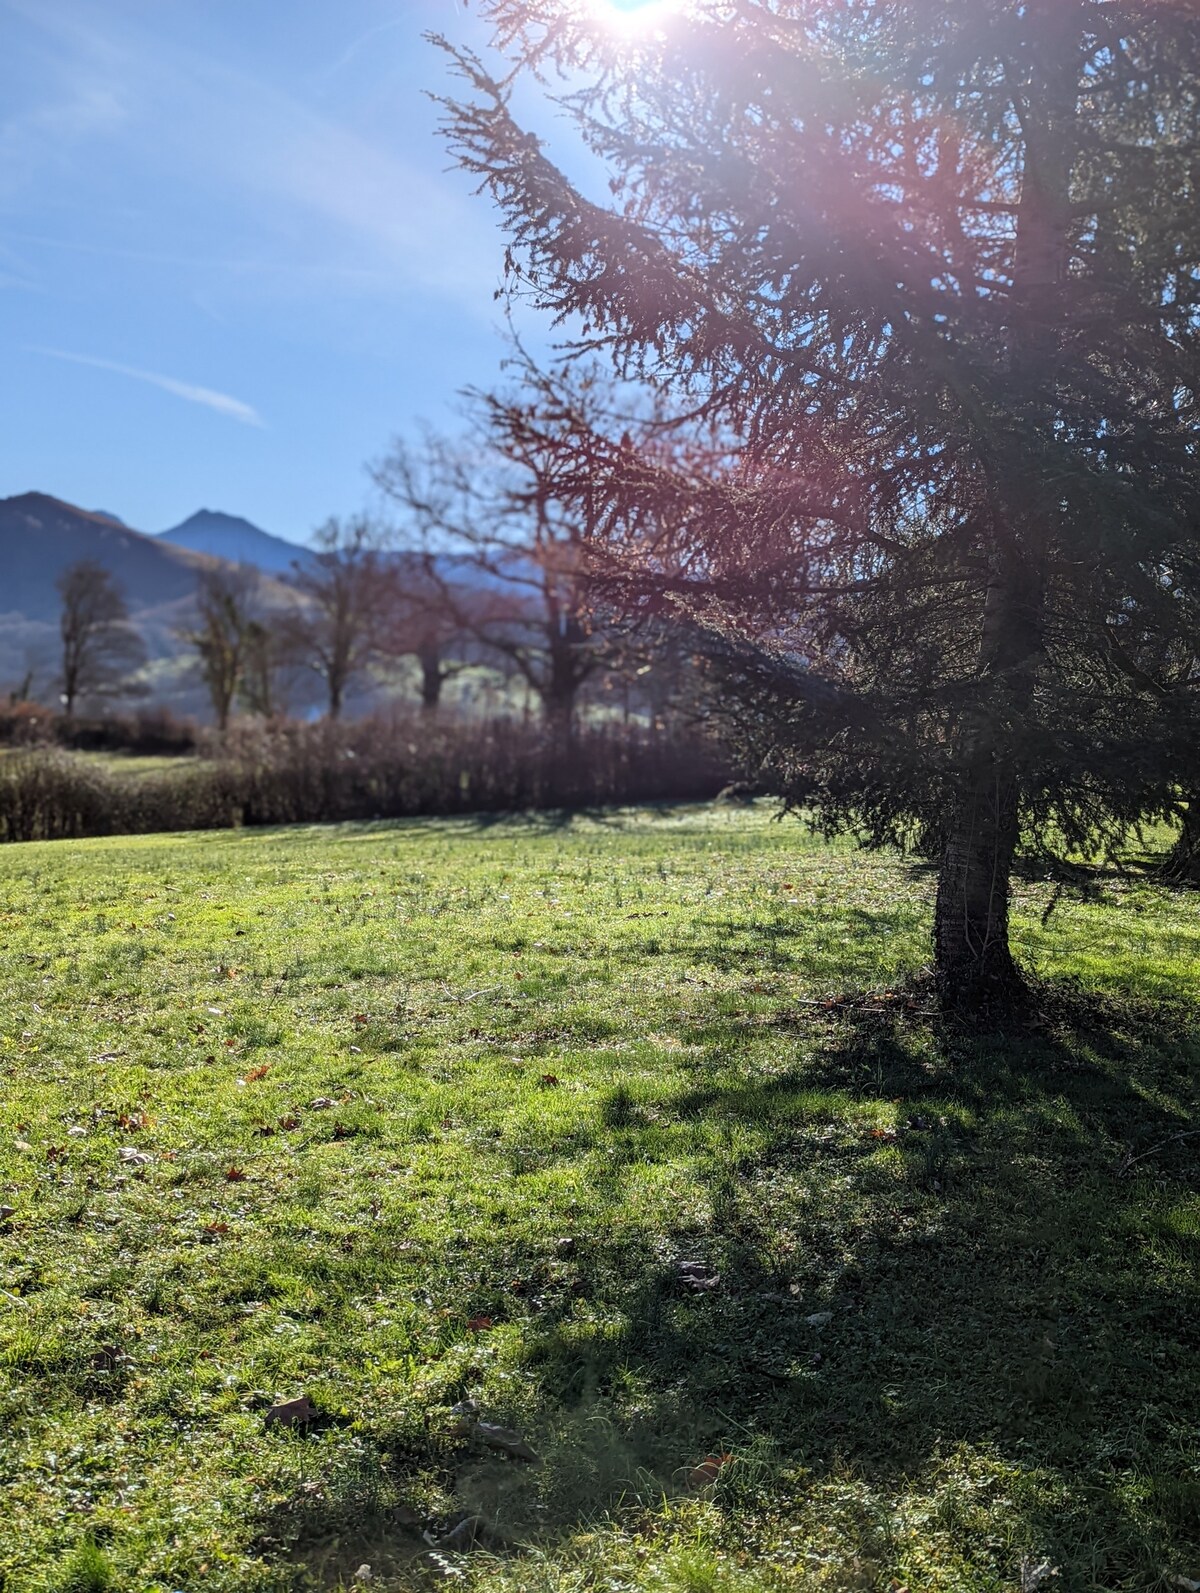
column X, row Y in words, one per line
column 1171, row 1139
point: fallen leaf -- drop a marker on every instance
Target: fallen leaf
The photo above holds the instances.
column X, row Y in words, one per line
column 470, row 1533
column 258, row 1073
column 707, row 1472
column 290, row 1121
column 696, row 1278
column 819, row 1319
column 478, row 1324
column 7, row 1213
column 506, row 1439
column 291, row 1412
column 235, row 1175
column 132, row 1157
column 322, row 1103
column 107, row 1358
column 550, row 1081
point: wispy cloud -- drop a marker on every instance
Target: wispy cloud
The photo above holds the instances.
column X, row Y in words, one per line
column 325, row 202
column 355, row 45
column 208, row 396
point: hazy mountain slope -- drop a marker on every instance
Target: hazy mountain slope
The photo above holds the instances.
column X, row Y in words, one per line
column 40, row 536
column 228, row 536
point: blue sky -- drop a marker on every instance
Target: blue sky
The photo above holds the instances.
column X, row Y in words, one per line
column 232, row 261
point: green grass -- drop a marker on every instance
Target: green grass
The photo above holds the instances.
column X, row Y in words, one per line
column 135, row 763
column 562, row 1058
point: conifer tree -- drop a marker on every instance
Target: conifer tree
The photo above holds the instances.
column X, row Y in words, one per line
column 931, row 268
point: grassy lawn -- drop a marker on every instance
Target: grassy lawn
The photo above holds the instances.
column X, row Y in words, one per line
column 554, row 1118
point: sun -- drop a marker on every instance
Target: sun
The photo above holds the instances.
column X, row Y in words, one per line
column 633, row 17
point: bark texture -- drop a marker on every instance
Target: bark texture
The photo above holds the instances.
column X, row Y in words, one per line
column 1182, row 866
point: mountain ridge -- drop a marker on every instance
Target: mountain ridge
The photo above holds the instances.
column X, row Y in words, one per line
column 40, row 536
column 240, row 541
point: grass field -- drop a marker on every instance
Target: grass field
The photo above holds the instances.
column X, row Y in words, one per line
column 558, row 1118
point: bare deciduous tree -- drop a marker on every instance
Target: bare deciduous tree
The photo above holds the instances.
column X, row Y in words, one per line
column 337, row 625
column 422, row 625
column 101, row 650
column 505, row 562
column 220, row 635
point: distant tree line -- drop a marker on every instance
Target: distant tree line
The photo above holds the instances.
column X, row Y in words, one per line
column 473, row 563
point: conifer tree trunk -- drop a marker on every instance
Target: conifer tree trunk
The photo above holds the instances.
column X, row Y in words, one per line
column 974, row 965
column 972, row 959
column 1182, row 865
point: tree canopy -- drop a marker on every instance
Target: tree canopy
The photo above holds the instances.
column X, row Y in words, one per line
column 925, row 277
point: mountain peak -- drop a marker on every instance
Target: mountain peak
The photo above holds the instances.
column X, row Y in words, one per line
column 47, row 503
column 229, row 536
column 215, row 517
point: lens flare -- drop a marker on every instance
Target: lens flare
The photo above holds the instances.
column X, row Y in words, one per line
column 630, row 18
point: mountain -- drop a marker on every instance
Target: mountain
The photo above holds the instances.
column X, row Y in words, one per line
column 40, row 536
column 228, row 536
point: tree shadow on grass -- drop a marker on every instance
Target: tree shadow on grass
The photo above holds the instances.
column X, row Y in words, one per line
column 928, row 1243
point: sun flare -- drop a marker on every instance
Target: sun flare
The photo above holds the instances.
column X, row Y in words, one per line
column 633, row 18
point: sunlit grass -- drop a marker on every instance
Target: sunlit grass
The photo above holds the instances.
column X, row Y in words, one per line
column 434, row 1110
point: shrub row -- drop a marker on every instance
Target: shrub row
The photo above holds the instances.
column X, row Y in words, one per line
column 150, row 730
column 373, row 769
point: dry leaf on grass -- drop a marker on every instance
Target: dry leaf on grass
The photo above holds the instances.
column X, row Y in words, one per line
column 291, row 1412
column 506, row 1439
column 695, row 1277
column 707, row 1472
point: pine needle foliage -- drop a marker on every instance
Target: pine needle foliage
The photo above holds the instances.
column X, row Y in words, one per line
column 925, row 277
